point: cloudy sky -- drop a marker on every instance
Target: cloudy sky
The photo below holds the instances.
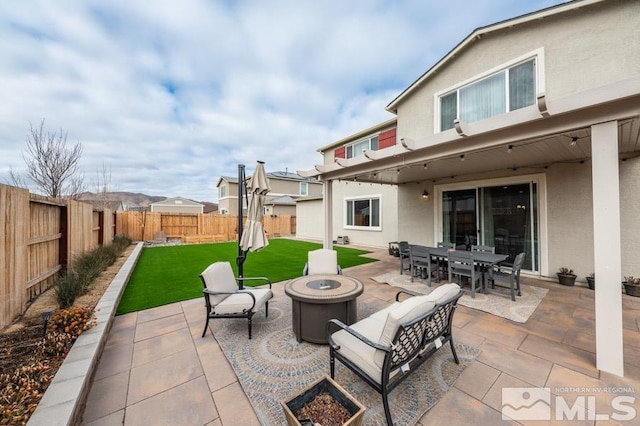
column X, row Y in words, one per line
column 171, row 95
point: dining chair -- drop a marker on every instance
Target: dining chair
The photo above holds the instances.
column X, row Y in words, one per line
column 442, row 261
column 403, row 250
column 420, row 263
column 512, row 277
column 485, row 249
column 461, row 264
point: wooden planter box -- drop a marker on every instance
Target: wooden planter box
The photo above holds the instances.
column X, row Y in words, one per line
column 294, row 404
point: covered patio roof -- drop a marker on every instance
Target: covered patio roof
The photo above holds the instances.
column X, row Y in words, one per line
column 539, row 137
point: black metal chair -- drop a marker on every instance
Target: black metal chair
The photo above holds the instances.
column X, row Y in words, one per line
column 224, row 299
column 461, row 264
column 386, row 347
column 512, row 277
column 420, row 263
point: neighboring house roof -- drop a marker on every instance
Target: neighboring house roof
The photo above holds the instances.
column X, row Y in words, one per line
column 286, row 175
column 481, row 32
column 227, row 179
column 173, row 202
column 282, row 201
column 310, row 198
column 112, row 205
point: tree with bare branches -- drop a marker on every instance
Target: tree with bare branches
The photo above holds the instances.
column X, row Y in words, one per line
column 51, row 164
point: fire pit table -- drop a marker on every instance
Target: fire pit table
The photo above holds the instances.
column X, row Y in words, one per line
column 316, row 299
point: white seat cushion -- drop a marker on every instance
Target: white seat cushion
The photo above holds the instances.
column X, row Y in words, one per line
column 358, row 352
column 237, row 302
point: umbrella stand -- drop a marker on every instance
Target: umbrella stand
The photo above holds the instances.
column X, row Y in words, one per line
column 242, row 191
column 254, row 239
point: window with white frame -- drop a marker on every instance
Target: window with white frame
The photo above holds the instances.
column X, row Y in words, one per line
column 223, row 191
column 304, row 188
column 508, row 89
column 358, row 148
column 363, row 212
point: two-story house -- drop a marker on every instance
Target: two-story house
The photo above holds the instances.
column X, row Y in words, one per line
column 525, row 136
column 286, row 187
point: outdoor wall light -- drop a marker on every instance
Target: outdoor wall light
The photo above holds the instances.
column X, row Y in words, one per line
column 425, row 195
column 425, row 165
column 462, row 157
column 574, row 141
column 510, row 148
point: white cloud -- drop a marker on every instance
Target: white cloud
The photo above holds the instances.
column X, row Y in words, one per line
column 172, row 95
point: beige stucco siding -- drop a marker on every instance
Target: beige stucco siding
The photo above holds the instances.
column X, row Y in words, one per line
column 578, row 55
column 292, row 187
column 309, row 220
column 388, row 206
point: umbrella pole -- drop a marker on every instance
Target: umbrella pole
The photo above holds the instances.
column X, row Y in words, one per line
column 241, row 254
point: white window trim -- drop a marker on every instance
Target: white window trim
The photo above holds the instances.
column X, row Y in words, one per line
column 537, row 54
column 306, row 185
column 351, row 144
column 359, row 198
column 541, row 181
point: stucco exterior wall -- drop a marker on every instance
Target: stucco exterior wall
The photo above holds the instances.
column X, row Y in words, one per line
column 570, row 218
column 415, row 218
column 309, row 220
column 388, row 209
column 600, row 39
column 629, row 214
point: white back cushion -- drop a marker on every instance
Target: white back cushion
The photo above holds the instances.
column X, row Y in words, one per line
column 443, row 293
column 323, row 261
column 219, row 277
column 408, row 310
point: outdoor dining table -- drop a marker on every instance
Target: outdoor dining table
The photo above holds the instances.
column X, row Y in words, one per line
column 484, row 259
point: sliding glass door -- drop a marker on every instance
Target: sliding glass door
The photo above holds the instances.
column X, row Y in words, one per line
column 503, row 216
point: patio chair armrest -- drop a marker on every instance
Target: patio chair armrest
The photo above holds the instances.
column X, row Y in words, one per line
column 410, row 293
column 339, row 270
column 305, row 270
column 343, row 326
column 244, row 279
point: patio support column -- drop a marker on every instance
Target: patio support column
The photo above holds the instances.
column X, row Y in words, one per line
column 607, row 251
column 327, row 204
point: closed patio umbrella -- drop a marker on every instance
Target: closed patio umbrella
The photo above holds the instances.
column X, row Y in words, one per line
column 253, row 236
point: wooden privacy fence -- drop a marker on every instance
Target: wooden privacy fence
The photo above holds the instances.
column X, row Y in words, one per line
column 39, row 236
column 193, row 228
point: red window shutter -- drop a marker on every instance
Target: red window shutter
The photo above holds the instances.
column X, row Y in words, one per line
column 339, row 152
column 387, row 139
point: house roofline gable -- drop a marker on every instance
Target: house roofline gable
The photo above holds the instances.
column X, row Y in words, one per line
column 480, row 32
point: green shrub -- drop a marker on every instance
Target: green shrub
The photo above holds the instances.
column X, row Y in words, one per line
column 84, row 270
column 68, row 287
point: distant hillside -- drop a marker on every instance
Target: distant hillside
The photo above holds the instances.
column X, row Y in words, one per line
column 131, row 199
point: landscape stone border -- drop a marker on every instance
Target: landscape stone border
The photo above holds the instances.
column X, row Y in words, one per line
column 63, row 402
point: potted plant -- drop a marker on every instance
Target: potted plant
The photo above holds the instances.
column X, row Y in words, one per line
column 631, row 286
column 591, row 280
column 324, row 402
column 566, row 276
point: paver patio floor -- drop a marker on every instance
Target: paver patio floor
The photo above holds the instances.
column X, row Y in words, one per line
column 156, row 369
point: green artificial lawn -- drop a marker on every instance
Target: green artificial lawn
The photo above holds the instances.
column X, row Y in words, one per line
column 171, row 274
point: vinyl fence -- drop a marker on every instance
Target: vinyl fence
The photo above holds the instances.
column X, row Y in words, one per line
column 193, row 228
column 39, row 236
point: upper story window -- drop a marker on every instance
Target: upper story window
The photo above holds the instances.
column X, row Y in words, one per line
column 508, row 89
column 363, row 213
column 358, row 148
column 223, row 191
column 304, row 188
